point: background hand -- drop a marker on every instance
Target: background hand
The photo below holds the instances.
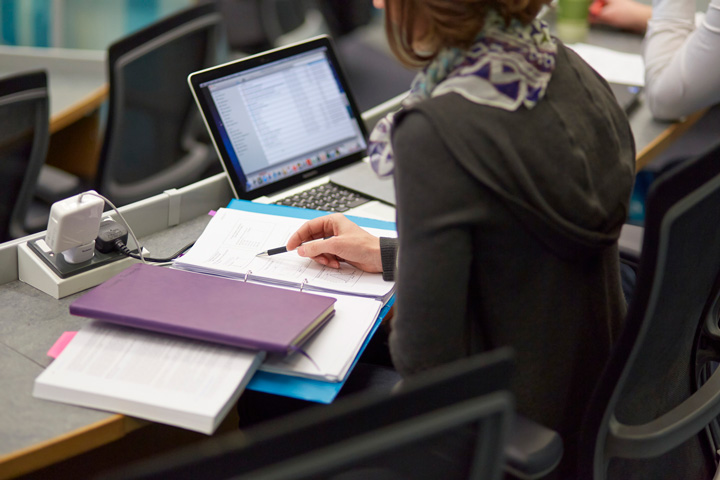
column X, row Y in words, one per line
column 624, row 14
column 349, row 243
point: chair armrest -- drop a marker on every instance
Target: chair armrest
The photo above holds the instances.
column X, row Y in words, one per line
column 532, row 450
column 630, row 242
column 54, row 184
column 372, row 116
column 671, row 429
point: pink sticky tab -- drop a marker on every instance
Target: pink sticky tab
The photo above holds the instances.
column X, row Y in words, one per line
column 60, row 344
column 212, row 213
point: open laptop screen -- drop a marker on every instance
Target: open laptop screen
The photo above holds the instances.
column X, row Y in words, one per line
column 280, row 117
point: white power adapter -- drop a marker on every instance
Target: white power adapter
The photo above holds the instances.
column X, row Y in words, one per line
column 73, row 226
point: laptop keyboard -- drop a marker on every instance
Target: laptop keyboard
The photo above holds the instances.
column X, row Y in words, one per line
column 327, row 197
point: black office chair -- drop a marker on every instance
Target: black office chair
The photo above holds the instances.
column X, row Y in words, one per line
column 346, row 16
column 254, row 26
column 24, row 137
column 446, row 423
column 154, row 138
column 373, row 73
column 653, row 414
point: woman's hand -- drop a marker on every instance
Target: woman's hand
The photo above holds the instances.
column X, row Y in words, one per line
column 348, row 242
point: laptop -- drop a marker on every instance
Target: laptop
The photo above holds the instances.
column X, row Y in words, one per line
column 285, row 127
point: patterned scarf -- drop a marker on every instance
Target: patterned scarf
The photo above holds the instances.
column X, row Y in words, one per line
column 507, row 66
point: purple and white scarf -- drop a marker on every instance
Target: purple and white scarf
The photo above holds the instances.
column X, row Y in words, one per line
column 507, row 66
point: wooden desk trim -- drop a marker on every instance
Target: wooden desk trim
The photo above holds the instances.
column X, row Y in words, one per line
column 67, row 445
column 86, row 106
column 665, row 139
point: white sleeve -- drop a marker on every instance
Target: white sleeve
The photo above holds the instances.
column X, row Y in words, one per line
column 682, row 63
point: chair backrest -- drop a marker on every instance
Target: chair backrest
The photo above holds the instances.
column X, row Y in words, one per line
column 153, row 136
column 646, row 412
column 256, row 25
column 447, row 423
column 24, row 137
column 344, row 16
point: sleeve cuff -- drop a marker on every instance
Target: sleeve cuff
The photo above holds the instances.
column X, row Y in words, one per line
column 388, row 256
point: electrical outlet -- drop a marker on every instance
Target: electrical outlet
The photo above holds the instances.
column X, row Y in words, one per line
column 64, row 269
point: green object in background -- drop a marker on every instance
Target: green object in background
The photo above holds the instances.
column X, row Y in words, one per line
column 572, row 20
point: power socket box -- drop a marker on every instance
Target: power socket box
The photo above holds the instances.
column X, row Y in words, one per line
column 50, row 273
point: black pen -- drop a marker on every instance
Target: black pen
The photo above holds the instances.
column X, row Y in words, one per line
column 283, row 249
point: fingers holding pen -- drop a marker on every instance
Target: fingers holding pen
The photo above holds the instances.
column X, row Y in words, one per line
column 321, row 227
column 320, row 252
column 332, row 239
column 311, row 240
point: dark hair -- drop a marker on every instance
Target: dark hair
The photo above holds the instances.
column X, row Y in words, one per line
column 450, row 23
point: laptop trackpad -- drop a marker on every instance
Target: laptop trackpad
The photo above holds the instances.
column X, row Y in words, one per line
column 361, row 178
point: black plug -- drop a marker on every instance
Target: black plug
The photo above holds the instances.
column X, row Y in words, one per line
column 110, row 231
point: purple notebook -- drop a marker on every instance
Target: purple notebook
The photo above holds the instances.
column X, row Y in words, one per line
column 206, row 307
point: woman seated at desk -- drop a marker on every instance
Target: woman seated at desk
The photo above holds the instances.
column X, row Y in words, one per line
column 513, row 166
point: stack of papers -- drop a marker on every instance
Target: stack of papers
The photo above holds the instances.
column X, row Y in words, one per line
column 613, row 66
column 233, row 238
column 163, row 378
column 229, row 247
column 329, row 354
